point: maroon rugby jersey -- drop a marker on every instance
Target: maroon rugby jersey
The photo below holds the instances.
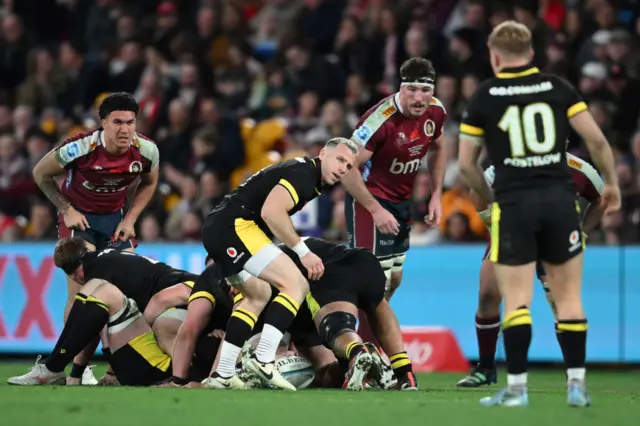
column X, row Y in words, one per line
column 96, row 180
column 398, row 143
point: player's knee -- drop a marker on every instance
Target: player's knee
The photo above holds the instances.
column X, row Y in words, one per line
column 489, row 303
column 335, row 324
column 123, row 315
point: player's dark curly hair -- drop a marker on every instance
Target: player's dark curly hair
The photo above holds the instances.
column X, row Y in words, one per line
column 417, row 68
column 121, row 101
column 69, row 253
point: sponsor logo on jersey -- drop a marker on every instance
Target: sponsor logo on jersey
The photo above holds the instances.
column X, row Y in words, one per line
column 363, row 133
column 414, row 135
column 135, row 167
column 575, row 241
column 69, row 152
column 400, row 168
column 415, row 150
column 575, row 164
column 389, row 111
column 231, row 252
column 429, row 128
column 401, row 139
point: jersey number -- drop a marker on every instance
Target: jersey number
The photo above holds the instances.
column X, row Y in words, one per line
column 522, row 129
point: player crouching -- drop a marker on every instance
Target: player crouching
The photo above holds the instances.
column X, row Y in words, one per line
column 133, row 352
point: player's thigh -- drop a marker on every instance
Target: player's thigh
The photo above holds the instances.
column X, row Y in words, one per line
column 513, row 236
column 103, row 227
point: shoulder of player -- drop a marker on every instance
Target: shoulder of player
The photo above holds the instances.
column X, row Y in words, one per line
column 437, row 104
column 586, row 169
column 78, row 145
column 374, row 119
column 147, row 147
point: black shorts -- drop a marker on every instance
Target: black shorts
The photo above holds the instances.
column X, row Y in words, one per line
column 363, row 232
column 231, row 240
column 358, row 279
column 534, row 225
column 540, row 272
column 141, row 362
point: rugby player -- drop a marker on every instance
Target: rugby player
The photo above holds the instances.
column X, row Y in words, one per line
column 353, row 280
column 394, row 136
column 134, row 354
column 99, row 166
column 236, row 235
column 524, row 118
column 588, row 185
column 154, row 286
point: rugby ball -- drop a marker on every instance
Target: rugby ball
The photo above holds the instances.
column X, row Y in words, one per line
column 297, row 370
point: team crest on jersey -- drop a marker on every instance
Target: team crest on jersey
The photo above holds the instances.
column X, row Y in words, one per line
column 429, row 128
column 401, row 139
column 231, row 252
column 135, row 167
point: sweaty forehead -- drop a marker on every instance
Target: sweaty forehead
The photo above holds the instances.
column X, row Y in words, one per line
column 121, row 116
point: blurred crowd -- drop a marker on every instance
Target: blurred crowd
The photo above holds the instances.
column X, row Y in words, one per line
column 227, row 87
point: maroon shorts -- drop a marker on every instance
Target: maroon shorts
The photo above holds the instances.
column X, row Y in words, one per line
column 100, row 231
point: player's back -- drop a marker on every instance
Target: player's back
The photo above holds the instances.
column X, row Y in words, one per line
column 138, row 277
column 249, row 197
column 523, row 116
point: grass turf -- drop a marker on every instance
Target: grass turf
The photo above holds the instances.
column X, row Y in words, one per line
column 616, row 398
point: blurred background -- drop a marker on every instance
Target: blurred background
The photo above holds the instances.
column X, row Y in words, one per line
column 227, row 87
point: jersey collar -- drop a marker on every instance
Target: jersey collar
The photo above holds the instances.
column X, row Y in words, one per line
column 515, row 72
column 396, row 101
column 316, row 162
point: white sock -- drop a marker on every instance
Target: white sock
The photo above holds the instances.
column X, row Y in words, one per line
column 268, row 345
column 517, row 379
column 576, row 374
column 228, row 359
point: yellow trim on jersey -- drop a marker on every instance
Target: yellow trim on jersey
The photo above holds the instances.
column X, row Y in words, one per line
column 189, row 284
column 576, row 108
column 524, row 73
column 251, row 235
column 471, row 130
column 291, row 189
column 202, row 295
column 147, row 346
column 238, row 298
column 312, row 304
column 495, row 232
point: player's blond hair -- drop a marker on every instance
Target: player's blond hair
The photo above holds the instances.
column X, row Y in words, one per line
column 511, row 38
column 334, row 142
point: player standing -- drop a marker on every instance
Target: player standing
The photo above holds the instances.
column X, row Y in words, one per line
column 99, row 167
column 524, row 117
column 588, row 185
column 236, row 236
column 395, row 135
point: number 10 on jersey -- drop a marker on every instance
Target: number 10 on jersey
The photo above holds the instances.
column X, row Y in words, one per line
column 520, row 123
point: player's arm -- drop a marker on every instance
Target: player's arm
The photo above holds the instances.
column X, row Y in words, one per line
column 592, row 192
column 354, row 184
column 198, row 313
column 596, row 143
column 143, row 194
column 436, row 163
column 44, row 174
column 471, row 143
column 175, row 295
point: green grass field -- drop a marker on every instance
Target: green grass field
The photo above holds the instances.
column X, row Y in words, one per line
column 616, row 397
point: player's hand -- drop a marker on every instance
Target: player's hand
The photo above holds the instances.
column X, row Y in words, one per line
column 610, row 198
column 385, row 222
column 314, row 266
column 125, row 230
column 73, row 219
column 217, row 333
column 435, row 212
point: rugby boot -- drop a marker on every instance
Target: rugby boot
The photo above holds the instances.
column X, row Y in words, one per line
column 88, row 378
column 359, row 367
column 381, row 372
column 215, row 381
column 577, row 395
column 515, row 396
column 39, row 375
column 408, row 382
column 479, row 376
column 269, row 373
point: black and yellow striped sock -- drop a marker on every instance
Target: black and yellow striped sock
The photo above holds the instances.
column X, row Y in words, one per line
column 240, row 326
column 572, row 336
column 81, row 328
column 516, row 331
column 401, row 364
column 353, row 348
column 277, row 320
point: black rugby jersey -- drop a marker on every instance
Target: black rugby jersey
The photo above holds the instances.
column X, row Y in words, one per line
column 523, row 116
column 211, row 285
column 138, row 277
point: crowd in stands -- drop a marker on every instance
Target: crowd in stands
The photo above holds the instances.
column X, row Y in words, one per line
column 227, row 87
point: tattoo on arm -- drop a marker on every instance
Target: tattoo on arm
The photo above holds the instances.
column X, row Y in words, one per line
column 51, row 189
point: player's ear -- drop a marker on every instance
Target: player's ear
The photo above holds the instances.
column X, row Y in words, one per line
column 322, row 154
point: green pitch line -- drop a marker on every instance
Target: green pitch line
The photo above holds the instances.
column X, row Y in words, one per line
column 616, row 398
